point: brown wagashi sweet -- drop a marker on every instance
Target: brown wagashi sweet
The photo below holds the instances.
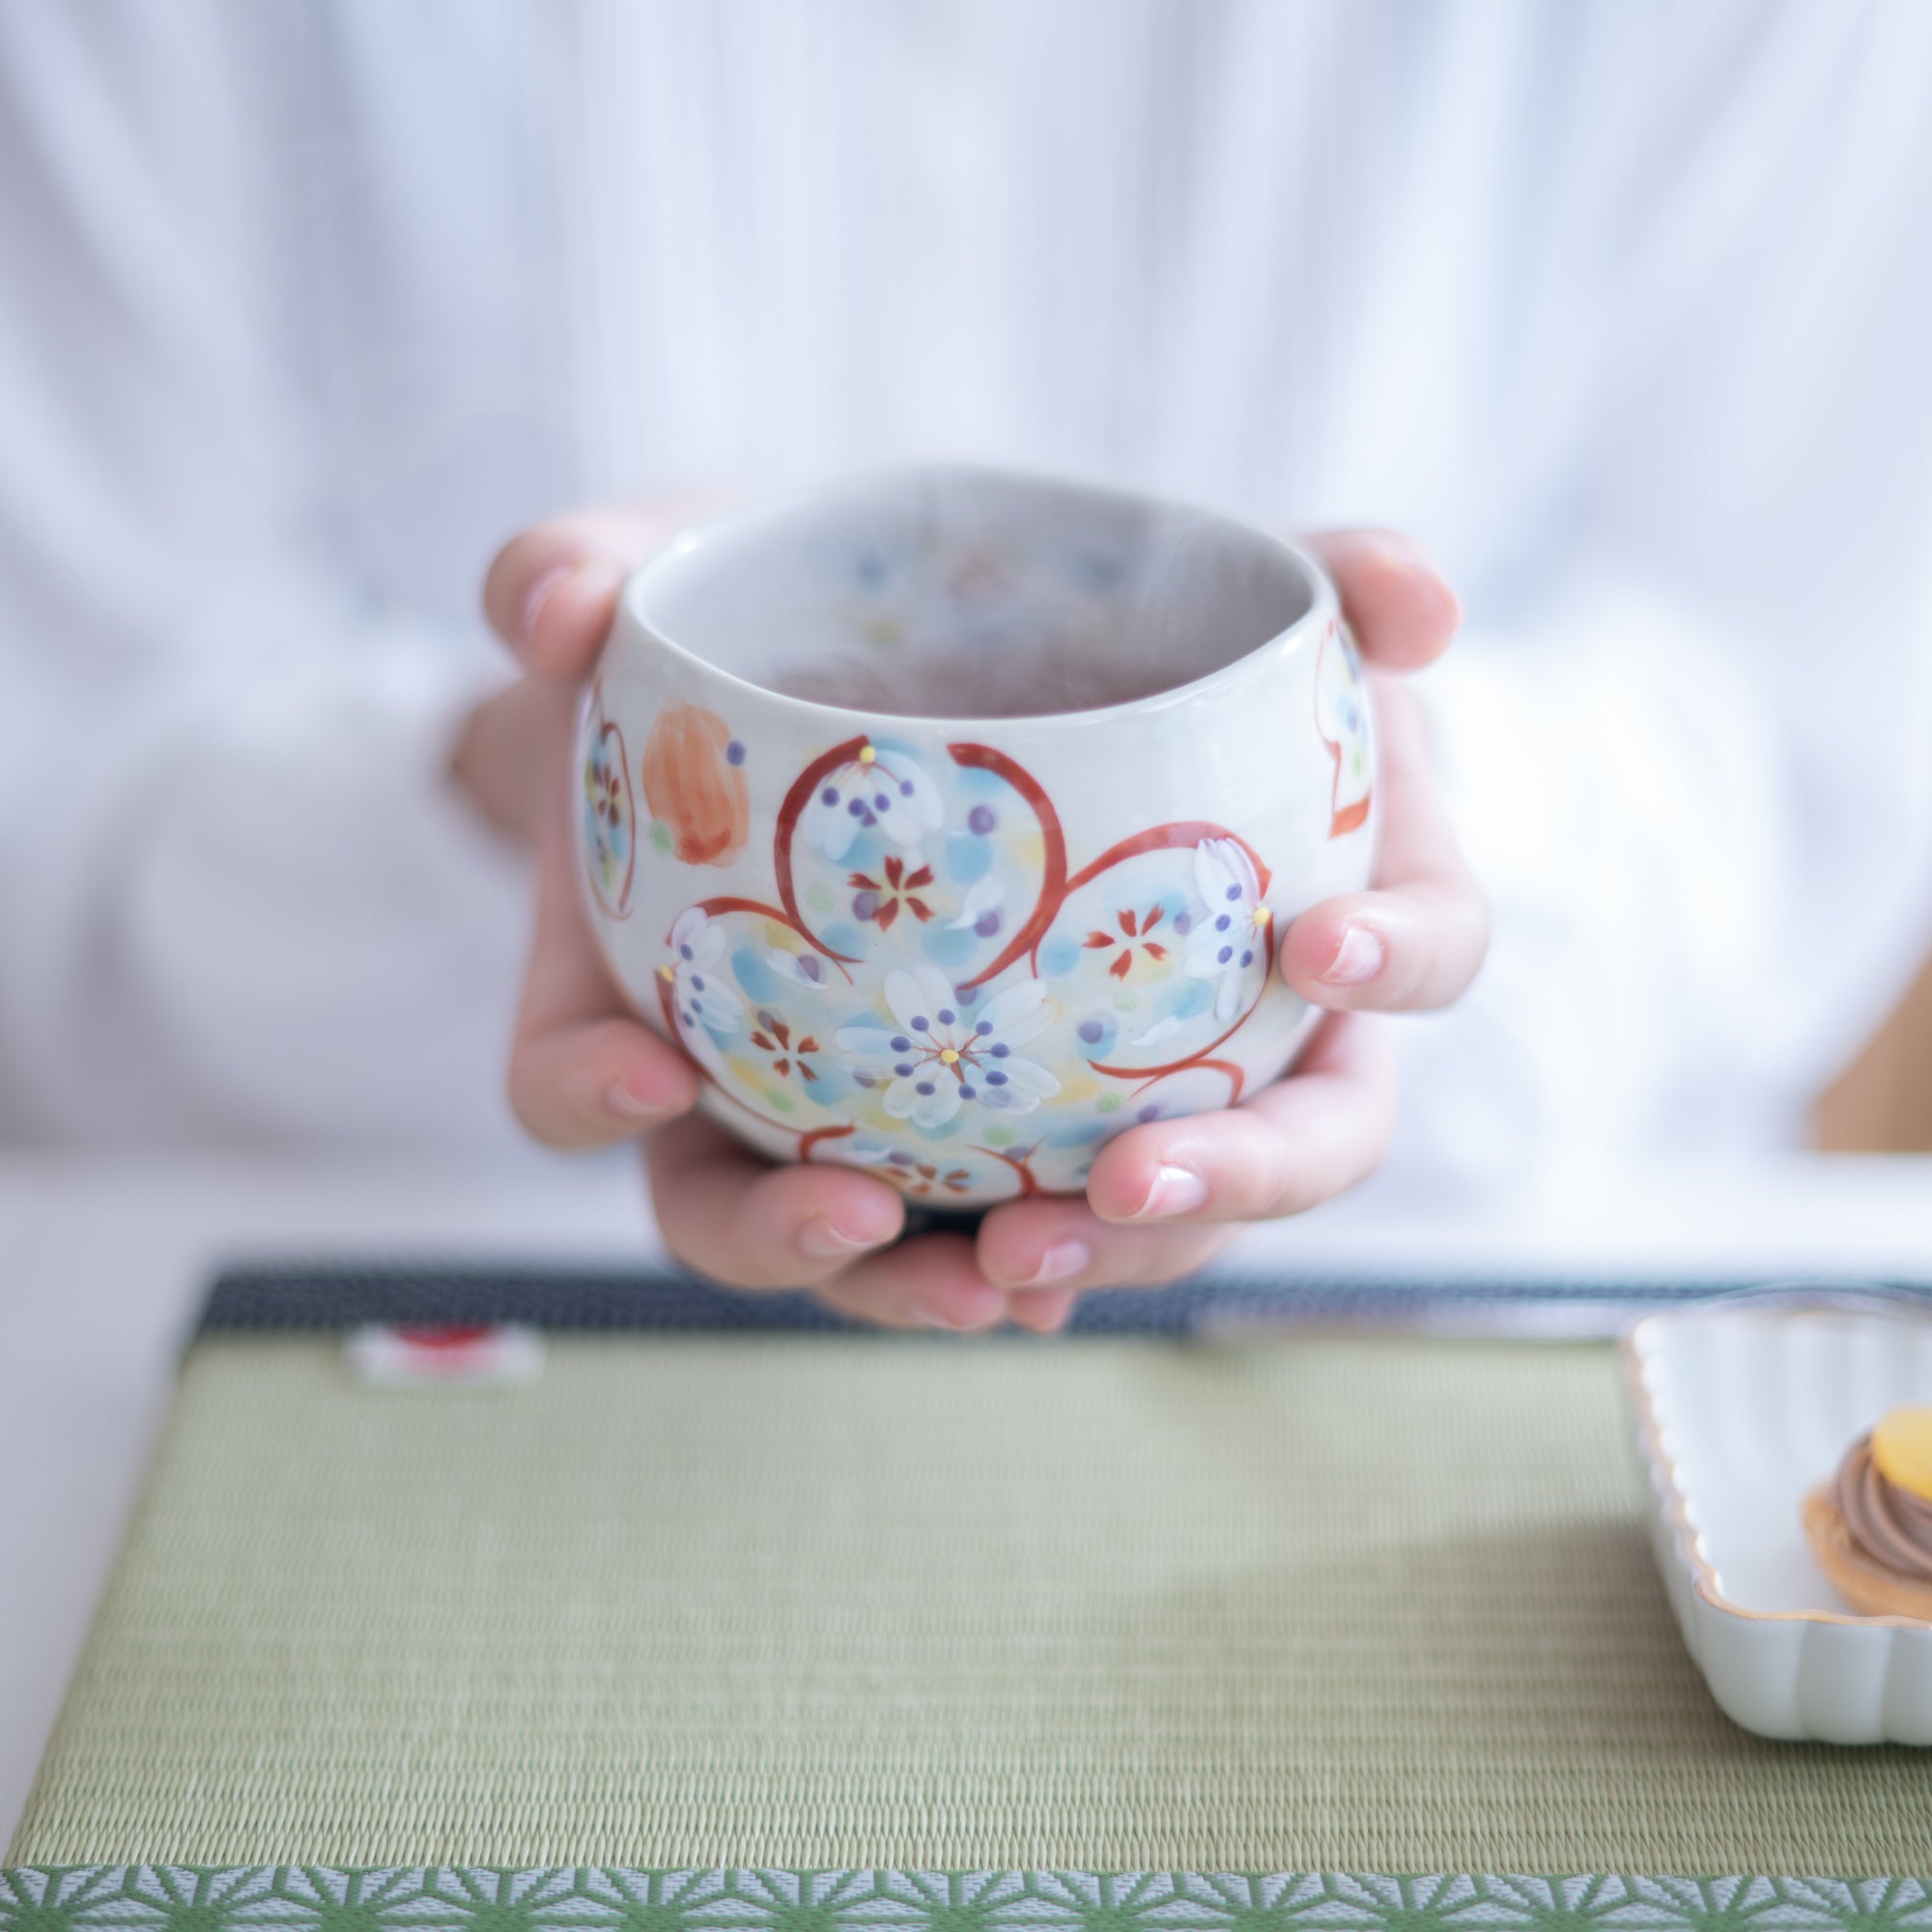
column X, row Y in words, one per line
column 1871, row 1526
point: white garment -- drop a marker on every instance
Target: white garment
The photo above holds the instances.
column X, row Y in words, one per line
column 1622, row 308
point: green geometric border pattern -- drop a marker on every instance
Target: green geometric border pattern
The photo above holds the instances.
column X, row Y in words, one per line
column 313, row 1898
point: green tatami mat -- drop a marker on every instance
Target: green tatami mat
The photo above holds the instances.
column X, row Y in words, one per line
column 1294, row 1605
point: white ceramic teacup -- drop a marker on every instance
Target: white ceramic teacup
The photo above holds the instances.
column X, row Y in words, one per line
column 963, row 952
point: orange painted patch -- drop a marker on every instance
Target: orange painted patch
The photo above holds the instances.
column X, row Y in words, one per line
column 692, row 786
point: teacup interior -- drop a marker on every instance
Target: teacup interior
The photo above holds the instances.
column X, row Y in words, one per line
column 961, row 593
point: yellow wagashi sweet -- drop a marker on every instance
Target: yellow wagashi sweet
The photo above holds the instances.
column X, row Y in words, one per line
column 1901, row 1449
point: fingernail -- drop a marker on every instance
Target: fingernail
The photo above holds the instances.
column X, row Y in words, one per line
column 818, row 1240
column 629, row 1106
column 1061, row 1260
column 540, row 594
column 1357, row 959
column 1176, row 1191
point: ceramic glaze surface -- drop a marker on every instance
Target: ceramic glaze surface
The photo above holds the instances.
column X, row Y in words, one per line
column 963, row 954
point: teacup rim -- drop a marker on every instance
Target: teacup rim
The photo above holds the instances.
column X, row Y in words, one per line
column 1323, row 604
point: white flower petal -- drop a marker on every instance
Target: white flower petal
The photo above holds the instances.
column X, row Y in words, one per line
column 1020, row 1013
column 847, row 1154
column 1029, row 1078
column 1228, row 999
column 919, row 799
column 830, row 827
column 982, row 897
column 1212, row 878
column 688, row 928
column 801, row 969
column 1162, row 1029
column 903, row 997
column 922, row 994
column 719, row 1008
column 874, row 1041
column 935, row 1109
column 1203, row 960
column 937, row 991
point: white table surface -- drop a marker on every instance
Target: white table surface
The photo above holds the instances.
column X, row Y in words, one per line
column 102, row 1264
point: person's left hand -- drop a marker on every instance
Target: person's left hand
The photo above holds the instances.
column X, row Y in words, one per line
column 1161, row 1199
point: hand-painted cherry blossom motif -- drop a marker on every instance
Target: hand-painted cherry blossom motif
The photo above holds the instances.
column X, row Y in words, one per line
column 702, row 1001
column 610, row 816
column 941, row 1057
column 873, row 789
column 771, row 1036
column 800, row 969
column 1132, row 942
column 1226, row 934
column 979, row 908
column 1342, row 718
column 879, row 899
column 924, row 1179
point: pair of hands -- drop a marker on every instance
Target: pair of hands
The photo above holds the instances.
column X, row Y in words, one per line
column 1162, row 1197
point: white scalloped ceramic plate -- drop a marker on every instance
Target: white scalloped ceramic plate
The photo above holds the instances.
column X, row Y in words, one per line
column 1739, row 1410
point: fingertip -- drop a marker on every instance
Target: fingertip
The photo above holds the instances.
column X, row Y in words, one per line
column 1124, row 1175
column 1043, row 1311
column 567, row 617
column 1332, row 956
column 854, row 1213
column 1403, row 610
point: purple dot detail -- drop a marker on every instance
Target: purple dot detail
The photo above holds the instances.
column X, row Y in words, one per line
column 1150, row 1111
column 918, row 1023
column 1226, row 954
column 947, row 1017
column 1222, row 923
column 696, row 984
column 864, row 906
column 903, row 1069
column 829, row 796
column 986, row 925
column 1247, row 959
column 995, row 1078
column 984, row 1027
column 1183, row 921
column 900, row 1159
column 1233, row 893
column 966, row 1093
column 857, row 808
column 685, row 951
column 1090, row 1030
column 900, row 1044
column 734, row 753
column 1001, row 1049
column 883, row 802
column 766, row 1017
column 981, row 819
column 808, row 965
column 905, row 787
column 924, row 1086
